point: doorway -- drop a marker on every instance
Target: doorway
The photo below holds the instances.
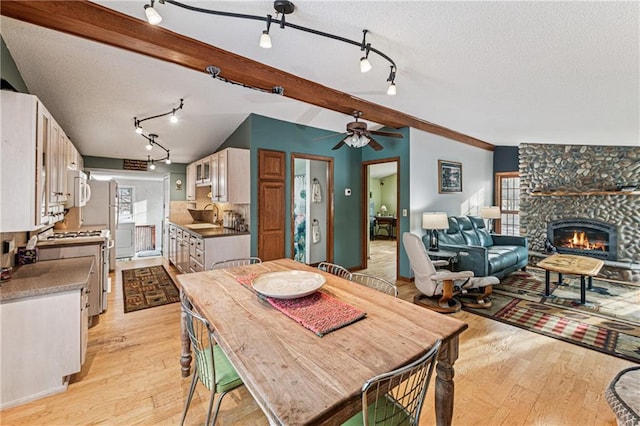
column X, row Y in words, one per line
column 311, row 208
column 381, row 201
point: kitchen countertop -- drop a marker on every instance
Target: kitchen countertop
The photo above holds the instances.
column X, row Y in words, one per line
column 46, row 277
column 209, row 232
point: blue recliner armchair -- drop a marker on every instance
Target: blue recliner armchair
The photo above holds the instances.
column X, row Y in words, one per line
column 479, row 251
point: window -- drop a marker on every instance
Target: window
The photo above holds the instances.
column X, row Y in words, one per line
column 125, row 204
column 508, row 198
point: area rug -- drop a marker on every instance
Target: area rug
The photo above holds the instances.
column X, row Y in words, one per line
column 147, row 287
column 609, row 322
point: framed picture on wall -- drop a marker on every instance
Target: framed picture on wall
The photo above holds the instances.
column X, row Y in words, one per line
column 449, row 176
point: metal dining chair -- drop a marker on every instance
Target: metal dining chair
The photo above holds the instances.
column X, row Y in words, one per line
column 398, row 395
column 232, row 263
column 334, row 269
column 212, row 368
column 376, row 283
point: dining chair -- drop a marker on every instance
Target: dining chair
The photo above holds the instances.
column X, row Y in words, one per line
column 211, row 367
column 398, row 395
column 376, row 283
column 334, row 269
column 232, row 263
column 443, row 284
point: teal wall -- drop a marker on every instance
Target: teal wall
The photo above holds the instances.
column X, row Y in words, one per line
column 9, row 70
column 397, row 148
column 176, row 171
column 267, row 133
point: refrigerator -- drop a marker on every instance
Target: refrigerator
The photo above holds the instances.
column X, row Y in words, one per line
column 102, row 209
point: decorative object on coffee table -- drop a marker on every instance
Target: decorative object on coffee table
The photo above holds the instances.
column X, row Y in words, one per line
column 147, row 287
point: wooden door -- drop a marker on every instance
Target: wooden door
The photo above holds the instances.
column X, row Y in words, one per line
column 271, row 204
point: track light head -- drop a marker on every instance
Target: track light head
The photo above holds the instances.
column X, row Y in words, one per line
column 153, row 17
column 167, row 160
column 265, row 40
column 174, row 118
column 152, row 166
column 392, row 89
column 365, row 65
column 139, row 130
column 149, row 146
column 392, row 78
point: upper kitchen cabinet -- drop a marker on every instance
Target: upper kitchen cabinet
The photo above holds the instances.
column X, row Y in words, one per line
column 191, row 182
column 26, row 132
column 203, row 171
column 231, row 176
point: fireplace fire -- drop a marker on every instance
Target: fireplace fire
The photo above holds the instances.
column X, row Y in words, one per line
column 583, row 237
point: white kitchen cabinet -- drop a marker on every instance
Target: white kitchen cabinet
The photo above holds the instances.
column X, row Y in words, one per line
column 44, row 341
column 26, row 127
column 191, row 182
column 95, row 287
column 224, row 248
column 203, row 171
column 231, row 176
column 173, row 244
column 182, row 253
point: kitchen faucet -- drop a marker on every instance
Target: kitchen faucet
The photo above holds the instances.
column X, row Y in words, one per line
column 217, row 214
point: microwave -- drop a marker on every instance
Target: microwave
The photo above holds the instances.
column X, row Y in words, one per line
column 79, row 189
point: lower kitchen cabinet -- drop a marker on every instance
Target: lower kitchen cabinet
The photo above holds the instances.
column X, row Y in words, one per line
column 191, row 252
column 42, row 344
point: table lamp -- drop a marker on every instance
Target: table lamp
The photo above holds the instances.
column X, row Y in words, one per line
column 383, row 209
column 490, row 213
column 433, row 221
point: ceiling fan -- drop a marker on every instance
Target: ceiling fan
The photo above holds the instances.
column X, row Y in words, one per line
column 358, row 136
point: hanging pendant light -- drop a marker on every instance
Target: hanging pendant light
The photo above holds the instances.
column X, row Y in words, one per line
column 153, row 17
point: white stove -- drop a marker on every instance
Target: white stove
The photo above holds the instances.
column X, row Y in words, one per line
column 73, row 236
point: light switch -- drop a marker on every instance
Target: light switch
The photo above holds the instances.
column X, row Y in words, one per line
column 404, row 212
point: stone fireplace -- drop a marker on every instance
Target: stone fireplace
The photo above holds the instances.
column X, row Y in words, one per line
column 579, row 183
column 585, row 237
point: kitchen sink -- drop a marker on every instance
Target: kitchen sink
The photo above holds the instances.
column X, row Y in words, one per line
column 202, row 226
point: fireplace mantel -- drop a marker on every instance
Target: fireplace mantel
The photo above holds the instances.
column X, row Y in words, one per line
column 578, row 193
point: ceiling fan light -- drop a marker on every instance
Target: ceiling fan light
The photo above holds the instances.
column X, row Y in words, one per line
column 365, row 65
column 392, row 89
column 265, row 40
column 363, row 141
column 153, row 17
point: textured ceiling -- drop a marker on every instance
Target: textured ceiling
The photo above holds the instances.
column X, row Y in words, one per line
column 502, row 72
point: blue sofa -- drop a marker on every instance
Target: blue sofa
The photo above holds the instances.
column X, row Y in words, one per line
column 479, row 251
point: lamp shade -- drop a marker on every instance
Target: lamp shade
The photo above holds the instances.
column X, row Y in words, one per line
column 435, row 220
column 492, row 212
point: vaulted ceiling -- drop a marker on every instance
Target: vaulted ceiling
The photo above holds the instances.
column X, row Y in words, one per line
column 482, row 73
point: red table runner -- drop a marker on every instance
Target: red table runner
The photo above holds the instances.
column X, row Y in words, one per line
column 318, row 312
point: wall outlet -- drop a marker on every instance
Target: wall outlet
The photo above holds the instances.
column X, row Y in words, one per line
column 347, row 191
column 404, row 212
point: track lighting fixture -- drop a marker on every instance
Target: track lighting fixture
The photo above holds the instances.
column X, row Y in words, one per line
column 265, row 38
column 283, row 8
column 173, row 118
column 214, row 72
column 392, row 78
column 153, row 17
column 151, row 163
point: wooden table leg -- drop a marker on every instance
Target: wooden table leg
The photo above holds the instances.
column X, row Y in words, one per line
column 185, row 356
column 444, row 381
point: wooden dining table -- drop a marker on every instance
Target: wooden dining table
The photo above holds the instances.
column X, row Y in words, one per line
column 298, row 377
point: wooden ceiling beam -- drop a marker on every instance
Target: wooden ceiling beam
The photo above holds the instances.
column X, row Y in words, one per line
column 97, row 23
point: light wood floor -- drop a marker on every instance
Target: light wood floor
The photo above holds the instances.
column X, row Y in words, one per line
column 504, row 376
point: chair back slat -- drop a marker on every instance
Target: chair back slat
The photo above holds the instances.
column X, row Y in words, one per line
column 376, row 283
column 232, row 263
column 334, row 269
